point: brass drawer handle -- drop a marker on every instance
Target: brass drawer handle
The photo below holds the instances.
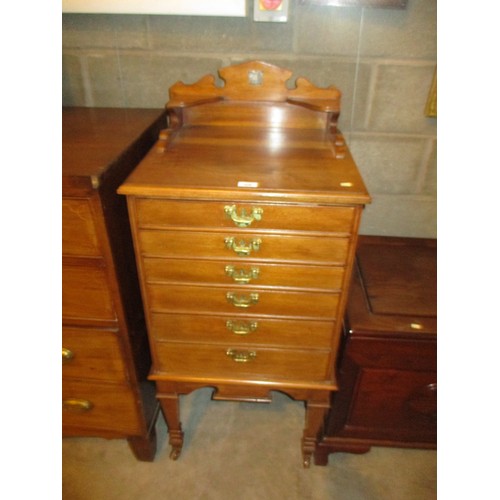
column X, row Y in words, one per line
column 242, row 300
column 77, row 405
column 244, row 219
column 240, row 247
column 242, row 275
column 241, row 327
column 67, row 355
column 241, row 356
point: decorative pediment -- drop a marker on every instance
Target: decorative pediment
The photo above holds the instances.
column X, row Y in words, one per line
column 255, row 81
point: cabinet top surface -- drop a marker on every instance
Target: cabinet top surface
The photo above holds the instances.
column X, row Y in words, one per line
column 251, row 138
column 277, row 164
column 394, row 285
column 94, row 138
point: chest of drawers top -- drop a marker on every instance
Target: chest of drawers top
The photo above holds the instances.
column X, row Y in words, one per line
column 98, row 142
column 394, row 289
column 276, row 165
column 251, row 143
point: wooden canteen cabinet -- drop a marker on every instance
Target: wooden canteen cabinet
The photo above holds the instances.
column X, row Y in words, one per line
column 105, row 352
column 387, row 367
column 245, row 217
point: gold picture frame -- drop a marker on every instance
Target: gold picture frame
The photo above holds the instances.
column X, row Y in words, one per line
column 431, row 106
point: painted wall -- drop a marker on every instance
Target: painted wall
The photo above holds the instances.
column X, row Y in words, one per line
column 383, row 61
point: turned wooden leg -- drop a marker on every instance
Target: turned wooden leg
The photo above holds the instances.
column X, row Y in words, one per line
column 315, row 416
column 170, row 409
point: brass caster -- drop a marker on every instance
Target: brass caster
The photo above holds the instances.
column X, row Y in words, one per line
column 175, row 453
column 307, row 462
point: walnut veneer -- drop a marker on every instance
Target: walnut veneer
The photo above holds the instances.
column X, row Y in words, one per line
column 245, row 218
column 105, row 351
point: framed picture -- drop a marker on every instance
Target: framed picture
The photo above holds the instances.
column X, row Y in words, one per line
column 431, row 106
column 228, row 8
column 270, row 10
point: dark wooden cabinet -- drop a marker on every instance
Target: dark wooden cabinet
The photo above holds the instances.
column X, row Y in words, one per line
column 105, row 352
column 387, row 363
column 245, row 218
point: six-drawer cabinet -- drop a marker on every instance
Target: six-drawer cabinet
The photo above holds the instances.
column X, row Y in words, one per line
column 245, row 218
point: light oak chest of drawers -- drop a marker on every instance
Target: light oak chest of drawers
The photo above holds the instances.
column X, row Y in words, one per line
column 105, row 351
column 245, row 218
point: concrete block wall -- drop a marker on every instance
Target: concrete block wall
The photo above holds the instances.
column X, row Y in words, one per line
column 383, row 61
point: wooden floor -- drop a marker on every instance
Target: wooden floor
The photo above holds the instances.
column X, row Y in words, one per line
column 241, row 451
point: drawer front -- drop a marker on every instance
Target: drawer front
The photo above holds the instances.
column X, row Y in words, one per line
column 99, row 406
column 193, row 299
column 394, row 403
column 238, row 273
column 85, row 293
column 258, row 247
column 239, row 330
column 92, row 354
column 79, row 235
column 394, row 354
column 254, row 362
column 163, row 213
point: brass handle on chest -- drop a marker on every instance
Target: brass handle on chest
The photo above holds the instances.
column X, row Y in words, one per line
column 67, row 355
column 241, row 356
column 243, row 219
column 241, row 248
column 243, row 300
column 241, row 275
column 77, row 405
column 241, row 327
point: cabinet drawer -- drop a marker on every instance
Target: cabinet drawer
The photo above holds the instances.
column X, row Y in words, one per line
column 394, row 402
column 164, row 213
column 193, row 299
column 92, row 354
column 241, row 329
column 79, row 236
column 235, row 273
column 263, row 363
column 85, row 293
column 394, row 354
column 254, row 246
column 100, row 407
